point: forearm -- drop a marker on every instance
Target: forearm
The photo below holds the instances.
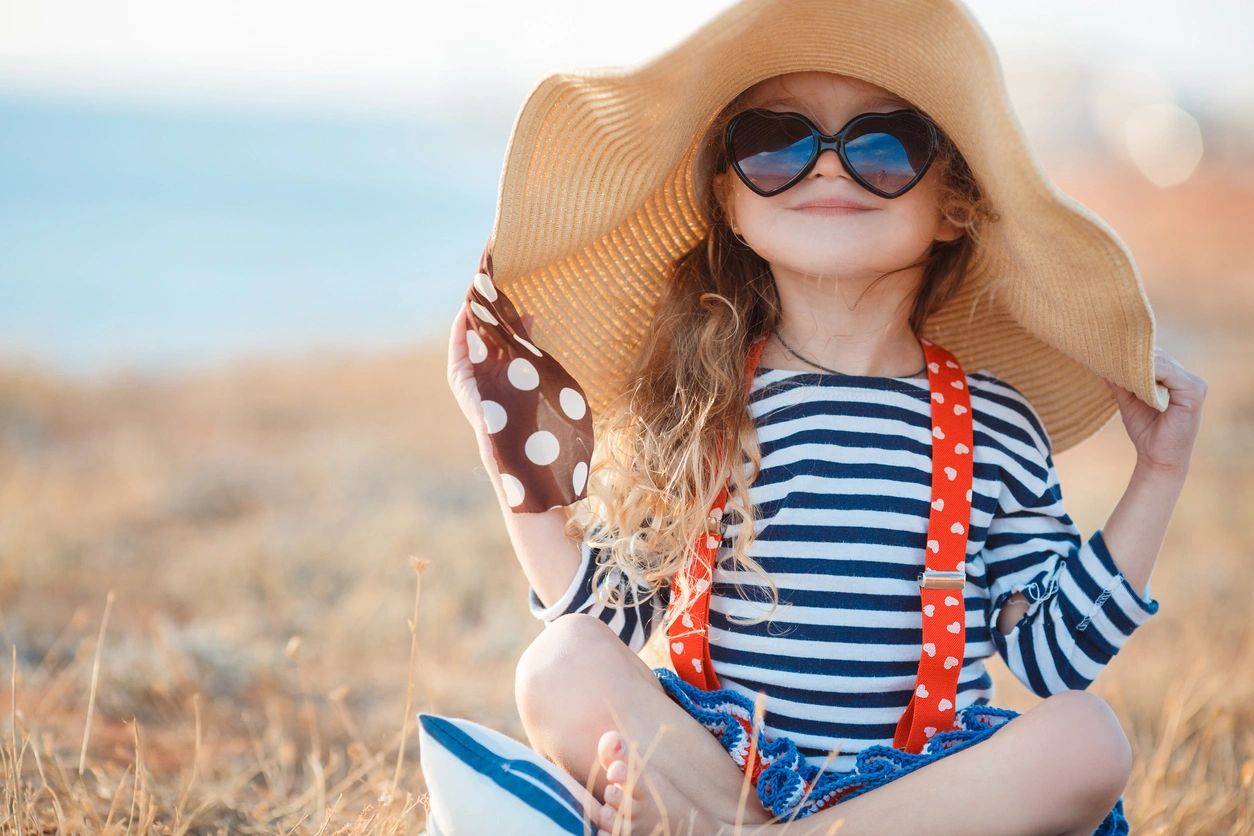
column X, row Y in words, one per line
column 549, row 558
column 1135, row 531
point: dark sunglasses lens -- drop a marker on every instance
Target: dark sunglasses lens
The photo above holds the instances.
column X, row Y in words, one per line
column 889, row 151
column 770, row 150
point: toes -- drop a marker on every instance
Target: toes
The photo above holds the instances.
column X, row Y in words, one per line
column 612, row 754
column 616, row 775
column 606, row 819
column 609, row 747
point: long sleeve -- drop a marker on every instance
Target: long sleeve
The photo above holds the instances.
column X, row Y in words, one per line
column 632, row 621
column 1081, row 608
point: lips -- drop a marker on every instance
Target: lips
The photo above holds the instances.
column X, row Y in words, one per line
column 831, row 204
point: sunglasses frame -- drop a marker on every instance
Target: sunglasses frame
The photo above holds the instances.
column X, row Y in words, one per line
column 836, row 142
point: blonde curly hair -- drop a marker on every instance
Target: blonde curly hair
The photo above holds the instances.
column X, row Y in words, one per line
column 654, row 476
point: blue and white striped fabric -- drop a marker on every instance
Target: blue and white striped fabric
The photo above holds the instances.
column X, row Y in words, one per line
column 482, row 782
column 843, row 502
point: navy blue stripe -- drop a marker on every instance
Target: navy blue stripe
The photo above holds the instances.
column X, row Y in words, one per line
column 1016, row 487
column 500, row 770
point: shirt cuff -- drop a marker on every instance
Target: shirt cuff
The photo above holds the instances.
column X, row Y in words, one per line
column 1111, row 608
column 563, row 604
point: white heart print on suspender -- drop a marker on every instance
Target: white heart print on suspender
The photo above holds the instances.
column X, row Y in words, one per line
column 942, row 606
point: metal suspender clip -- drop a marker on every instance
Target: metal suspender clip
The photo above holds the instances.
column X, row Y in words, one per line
column 935, row 579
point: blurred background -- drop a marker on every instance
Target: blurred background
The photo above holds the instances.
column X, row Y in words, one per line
column 233, row 239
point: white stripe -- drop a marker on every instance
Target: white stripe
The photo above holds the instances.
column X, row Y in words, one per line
column 833, row 574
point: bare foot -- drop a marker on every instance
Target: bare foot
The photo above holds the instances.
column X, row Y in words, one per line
column 635, row 803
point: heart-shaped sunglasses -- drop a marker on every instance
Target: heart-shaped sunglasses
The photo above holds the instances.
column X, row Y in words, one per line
column 886, row 153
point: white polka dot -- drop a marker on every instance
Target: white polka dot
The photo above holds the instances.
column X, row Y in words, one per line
column 522, row 374
column 934, row 366
column 957, row 528
column 483, row 313
column 483, row 283
column 929, row 648
column 580, row 477
column 938, row 397
column 955, row 627
column 968, row 494
column 957, row 384
column 961, row 449
column 944, row 705
column 929, row 610
column 513, row 490
column 937, row 432
column 951, row 364
column 959, row 409
column 921, row 691
column 537, row 352
column 542, row 447
column 696, row 664
column 928, row 731
column 572, row 403
column 475, row 348
column 494, row 416
column 939, row 503
column 951, row 473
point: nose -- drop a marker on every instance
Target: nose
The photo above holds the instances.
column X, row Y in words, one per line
column 829, row 164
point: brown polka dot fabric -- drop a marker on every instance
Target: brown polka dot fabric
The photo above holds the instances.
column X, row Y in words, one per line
column 537, row 416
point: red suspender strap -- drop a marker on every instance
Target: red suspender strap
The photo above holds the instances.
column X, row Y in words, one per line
column 931, row 707
column 688, row 637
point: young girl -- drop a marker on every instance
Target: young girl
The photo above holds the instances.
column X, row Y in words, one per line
column 882, row 485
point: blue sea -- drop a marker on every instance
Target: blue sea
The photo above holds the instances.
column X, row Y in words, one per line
column 158, row 237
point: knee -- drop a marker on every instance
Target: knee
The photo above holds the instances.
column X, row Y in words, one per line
column 568, row 662
column 1092, row 750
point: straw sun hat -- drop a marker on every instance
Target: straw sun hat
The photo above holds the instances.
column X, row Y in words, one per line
column 598, row 196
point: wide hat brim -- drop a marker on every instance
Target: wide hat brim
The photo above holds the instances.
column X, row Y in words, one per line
column 598, row 197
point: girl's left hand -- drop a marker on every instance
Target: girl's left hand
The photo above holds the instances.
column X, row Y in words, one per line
column 1164, row 440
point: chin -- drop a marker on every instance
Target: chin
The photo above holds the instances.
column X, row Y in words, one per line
column 843, row 264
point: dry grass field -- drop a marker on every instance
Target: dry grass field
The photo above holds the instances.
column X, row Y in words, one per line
column 223, row 596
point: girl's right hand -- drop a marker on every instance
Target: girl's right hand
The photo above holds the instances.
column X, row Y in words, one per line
column 461, row 378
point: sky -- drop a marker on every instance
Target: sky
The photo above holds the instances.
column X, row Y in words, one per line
column 184, row 182
column 387, row 54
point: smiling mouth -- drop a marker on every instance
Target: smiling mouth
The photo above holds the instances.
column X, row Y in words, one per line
column 832, row 210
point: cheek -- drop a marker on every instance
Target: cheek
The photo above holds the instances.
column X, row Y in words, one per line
column 919, row 208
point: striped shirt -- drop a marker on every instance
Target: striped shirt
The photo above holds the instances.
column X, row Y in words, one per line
column 843, row 504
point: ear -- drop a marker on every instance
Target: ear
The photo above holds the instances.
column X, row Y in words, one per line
column 947, row 231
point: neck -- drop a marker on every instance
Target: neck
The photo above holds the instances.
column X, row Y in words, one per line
column 831, row 325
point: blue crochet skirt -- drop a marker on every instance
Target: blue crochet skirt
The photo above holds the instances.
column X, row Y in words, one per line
column 783, row 783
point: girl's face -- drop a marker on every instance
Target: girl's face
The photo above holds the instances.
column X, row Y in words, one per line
column 859, row 246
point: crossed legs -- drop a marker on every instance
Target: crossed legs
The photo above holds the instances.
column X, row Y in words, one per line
column 1056, row 769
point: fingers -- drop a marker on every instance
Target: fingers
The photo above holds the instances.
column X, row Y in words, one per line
column 457, row 336
column 1174, row 376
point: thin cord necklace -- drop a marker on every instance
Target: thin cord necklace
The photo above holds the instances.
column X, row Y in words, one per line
column 794, row 353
